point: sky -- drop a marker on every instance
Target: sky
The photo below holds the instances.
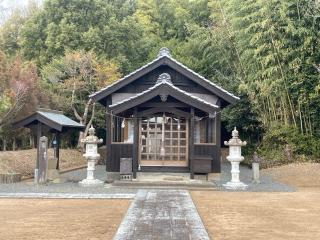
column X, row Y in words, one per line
column 6, row 7
column 9, row 4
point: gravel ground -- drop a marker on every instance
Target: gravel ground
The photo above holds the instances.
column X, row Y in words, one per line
column 69, row 184
column 268, row 184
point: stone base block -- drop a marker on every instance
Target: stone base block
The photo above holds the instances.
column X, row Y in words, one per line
column 235, row 186
column 112, row 176
column 126, row 177
column 214, row 176
column 36, row 172
column 53, row 174
column 91, row 183
column 52, row 163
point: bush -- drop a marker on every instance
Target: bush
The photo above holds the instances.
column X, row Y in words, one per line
column 284, row 144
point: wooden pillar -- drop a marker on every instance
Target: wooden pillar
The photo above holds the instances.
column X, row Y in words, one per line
column 191, row 143
column 217, row 162
column 135, row 152
column 39, row 133
column 108, row 141
column 57, row 152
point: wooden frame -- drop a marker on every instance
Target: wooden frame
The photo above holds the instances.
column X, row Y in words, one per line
column 167, row 137
column 112, row 132
column 213, row 129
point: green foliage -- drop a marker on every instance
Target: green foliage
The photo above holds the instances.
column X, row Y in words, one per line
column 243, row 116
column 279, row 137
column 106, row 27
column 267, row 52
column 5, row 103
column 73, row 77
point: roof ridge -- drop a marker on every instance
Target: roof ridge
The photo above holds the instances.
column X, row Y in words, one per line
column 39, row 109
column 128, row 75
column 165, row 53
column 202, row 77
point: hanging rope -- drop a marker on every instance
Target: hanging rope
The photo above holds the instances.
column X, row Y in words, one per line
column 132, row 118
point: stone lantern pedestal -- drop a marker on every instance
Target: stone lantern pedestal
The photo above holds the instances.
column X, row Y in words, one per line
column 235, row 158
column 92, row 157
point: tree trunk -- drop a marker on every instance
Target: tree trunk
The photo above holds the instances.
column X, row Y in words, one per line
column 83, row 121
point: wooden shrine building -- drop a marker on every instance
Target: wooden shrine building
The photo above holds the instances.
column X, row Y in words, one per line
column 165, row 117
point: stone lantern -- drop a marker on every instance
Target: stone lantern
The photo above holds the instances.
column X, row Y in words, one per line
column 92, row 157
column 235, row 158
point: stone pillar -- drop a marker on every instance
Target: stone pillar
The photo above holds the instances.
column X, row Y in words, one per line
column 255, row 168
column 92, row 157
column 235, row 158
column 43, row 160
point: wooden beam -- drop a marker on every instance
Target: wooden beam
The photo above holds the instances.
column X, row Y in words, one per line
column 165, row 104
column 174, row 111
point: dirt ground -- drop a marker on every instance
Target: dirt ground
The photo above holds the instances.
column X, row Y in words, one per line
column 303, row 176
column 60, row 218
column 249, row 215
column 23, row 161
column 245, row 215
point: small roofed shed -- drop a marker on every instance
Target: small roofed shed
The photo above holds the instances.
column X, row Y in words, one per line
column 47, row 120
column 164, row 116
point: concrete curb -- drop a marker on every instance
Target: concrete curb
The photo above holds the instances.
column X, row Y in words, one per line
column 61, row 172
column 69, row 195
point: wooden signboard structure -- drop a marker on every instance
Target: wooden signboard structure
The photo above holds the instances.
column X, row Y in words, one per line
column 44, row 121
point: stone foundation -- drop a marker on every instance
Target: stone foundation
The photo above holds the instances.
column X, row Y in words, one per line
column 112, row 176
column 10, row 177
column 214, row 176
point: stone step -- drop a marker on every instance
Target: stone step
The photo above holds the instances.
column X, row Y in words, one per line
column 165, row 184
column 162, row 176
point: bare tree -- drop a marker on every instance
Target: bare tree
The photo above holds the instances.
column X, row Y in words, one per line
column 19, row 100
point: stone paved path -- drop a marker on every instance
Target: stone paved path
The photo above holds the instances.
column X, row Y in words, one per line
column 162, row 214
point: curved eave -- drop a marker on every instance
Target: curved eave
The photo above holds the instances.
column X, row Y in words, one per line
column 37, row 117
column 163, row 88
column 176, row 65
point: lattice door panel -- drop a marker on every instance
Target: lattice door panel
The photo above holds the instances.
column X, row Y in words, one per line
column 163, row 141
